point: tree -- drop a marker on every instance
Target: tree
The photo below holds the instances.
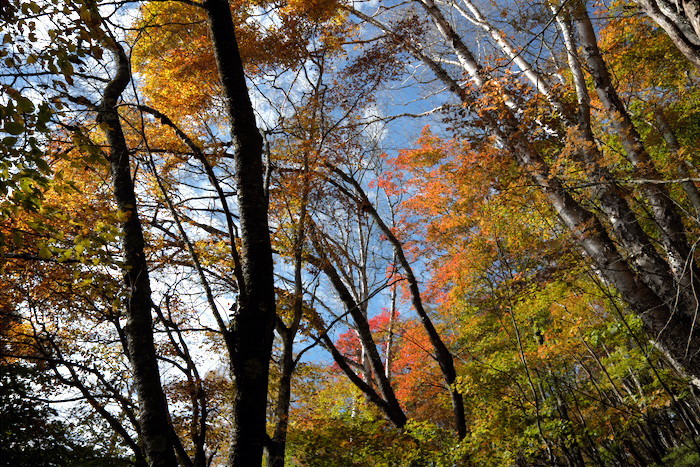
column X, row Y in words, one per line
column 252, row 328
column 253, row 315
column 541, row 365
column 610, row 232
column 155, row 426
column 681, row 21
column 442, row 354
column 32, row 433
column 423, row 307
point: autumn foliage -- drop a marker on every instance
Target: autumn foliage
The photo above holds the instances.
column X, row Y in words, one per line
column 483, row 220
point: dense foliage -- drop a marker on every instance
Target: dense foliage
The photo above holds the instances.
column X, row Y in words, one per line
column 483, row 219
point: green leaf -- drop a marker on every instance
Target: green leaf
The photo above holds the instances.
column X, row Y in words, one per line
column 25, row 184
column 42, row 165
column 25, row 105
column 14, row 128
column 9, row 141
column 44, row 252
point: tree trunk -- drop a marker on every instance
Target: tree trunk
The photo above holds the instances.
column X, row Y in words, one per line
column 251, row 334
column 443, row 355
column 390, row 331
column 394, row 411
column 278, row 444
column 681, row 21
column 389, row 411
column 672, row 234
column 673, row 331
column 625, row 227
column 153, row 416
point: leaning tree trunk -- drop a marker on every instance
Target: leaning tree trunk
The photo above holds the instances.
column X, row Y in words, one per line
column 153, row 410
column 390, row 404
column 671, row 326
column 680, row 19
column 443, row 356
column 250, row 336
column 664, row 211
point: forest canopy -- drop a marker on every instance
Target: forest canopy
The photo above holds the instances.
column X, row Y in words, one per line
column 325, row 233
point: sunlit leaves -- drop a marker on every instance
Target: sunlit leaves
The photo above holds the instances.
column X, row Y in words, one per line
column 173, row 53
column 536, row 334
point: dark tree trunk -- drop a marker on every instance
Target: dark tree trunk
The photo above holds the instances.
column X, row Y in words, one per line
column 443, row 355
column 391, row 405
column 155, row 426
column 397, row 418
column 278, row 443
column 250, row 337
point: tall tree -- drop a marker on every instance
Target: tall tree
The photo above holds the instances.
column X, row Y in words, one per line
column 156, row 430
column 443, row 355
column 610, row 232
column 81, row 21
column 251, row 332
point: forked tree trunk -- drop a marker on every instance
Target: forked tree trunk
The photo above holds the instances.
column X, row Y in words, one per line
column 278, row 442
column 443, row 356
column 250, row 338
column 390, row 405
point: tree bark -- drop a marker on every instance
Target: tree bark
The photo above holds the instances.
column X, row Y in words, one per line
column 363, row 386
column 153, row 416
column 625, row 227
column 673, row 331
column 278, row 442
column 681, row 21
column 672, row 234
column 251, row 334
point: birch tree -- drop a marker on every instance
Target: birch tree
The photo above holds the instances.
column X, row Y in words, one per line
column 653, row 271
